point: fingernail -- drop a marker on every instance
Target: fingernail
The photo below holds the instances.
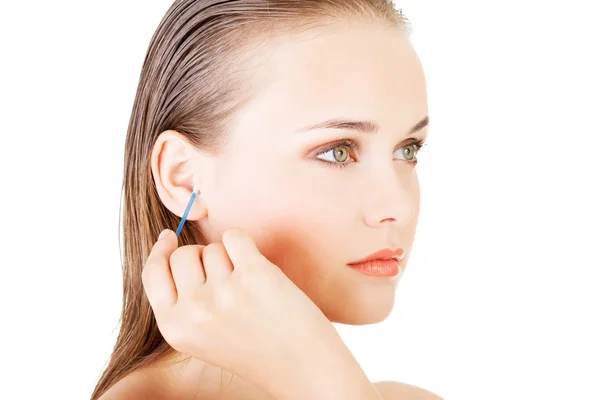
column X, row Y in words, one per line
column 163, row 234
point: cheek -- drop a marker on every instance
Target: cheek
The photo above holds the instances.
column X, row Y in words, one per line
column 296, row 229
column 416, row 196
column 304, row 249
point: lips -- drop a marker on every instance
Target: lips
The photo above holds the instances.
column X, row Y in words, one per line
column 384, row 254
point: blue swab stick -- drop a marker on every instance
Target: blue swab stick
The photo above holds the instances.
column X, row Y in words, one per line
column 187, row 210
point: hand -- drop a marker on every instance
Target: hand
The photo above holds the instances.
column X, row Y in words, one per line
column 226, row 304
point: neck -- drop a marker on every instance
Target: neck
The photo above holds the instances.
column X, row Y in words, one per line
column 183, row 377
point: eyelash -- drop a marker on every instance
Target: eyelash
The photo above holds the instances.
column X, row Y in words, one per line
column 351, row 144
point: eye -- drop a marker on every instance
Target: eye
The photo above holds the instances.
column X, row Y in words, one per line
column 409, row 152
column 338, row 154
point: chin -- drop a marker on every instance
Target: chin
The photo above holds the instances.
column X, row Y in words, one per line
column 366, row 312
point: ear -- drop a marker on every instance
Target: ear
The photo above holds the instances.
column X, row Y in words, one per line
column 173, row 170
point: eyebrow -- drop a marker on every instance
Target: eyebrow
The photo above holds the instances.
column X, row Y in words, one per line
column 359, row 126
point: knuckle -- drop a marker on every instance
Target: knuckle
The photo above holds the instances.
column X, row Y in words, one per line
column 214, row 247
column 210, row 248
column 228, row 299
column 200, row 317
column 215, row 252
column 184, row 254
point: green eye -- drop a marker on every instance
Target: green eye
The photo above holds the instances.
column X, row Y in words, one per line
column 409, row 152
column 340, row 153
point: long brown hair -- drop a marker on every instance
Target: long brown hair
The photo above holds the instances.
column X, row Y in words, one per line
column 193, row 79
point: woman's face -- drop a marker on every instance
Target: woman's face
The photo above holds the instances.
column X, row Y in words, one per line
column 311, row 202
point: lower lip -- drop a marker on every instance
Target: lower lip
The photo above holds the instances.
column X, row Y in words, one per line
column 387, row 268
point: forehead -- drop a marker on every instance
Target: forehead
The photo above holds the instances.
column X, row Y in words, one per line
column 365, row 71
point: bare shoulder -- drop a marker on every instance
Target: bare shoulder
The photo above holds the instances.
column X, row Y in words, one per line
column 133, row 387
column 391, row 390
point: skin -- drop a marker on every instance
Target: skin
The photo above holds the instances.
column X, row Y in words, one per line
column 308, row 217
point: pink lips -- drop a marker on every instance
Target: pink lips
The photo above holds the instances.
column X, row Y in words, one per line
column 382, row 263
column 384, row 254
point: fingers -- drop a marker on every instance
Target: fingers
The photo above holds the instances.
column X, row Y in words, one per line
column 187, row 269
column 216, row 262
column 241, row 249
column 156, row 275
column 171, row 273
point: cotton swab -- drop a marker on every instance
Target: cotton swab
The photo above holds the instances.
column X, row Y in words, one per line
column 187, row 210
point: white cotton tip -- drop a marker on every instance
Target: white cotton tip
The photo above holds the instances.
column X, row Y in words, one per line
column 196, row 189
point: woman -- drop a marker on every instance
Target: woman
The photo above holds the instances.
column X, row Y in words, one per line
column 299, row 124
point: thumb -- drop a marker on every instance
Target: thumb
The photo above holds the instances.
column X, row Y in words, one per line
column 164, row 247
column 156, row 275
column 241, row 249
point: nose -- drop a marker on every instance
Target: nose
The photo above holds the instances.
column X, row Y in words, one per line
column 389, row 199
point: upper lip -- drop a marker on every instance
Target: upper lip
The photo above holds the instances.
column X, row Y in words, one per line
column 383, row 254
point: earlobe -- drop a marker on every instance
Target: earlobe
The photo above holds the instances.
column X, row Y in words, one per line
column 173, row 172
column 199, row 209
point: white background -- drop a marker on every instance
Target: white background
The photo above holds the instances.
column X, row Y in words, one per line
column 501, row 298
